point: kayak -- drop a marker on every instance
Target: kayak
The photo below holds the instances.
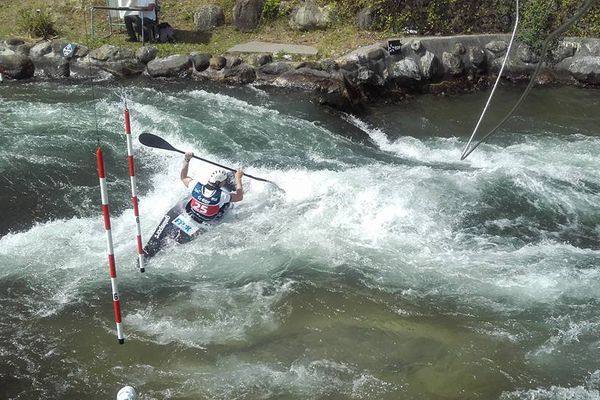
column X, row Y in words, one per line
column 178, row 225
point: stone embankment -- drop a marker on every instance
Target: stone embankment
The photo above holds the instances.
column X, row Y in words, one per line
column 385, row 70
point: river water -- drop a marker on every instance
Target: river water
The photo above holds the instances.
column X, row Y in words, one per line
column 389, row 269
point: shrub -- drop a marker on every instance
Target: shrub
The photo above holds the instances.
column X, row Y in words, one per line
column 36, row 23
column 270, row 9
column 538, row 19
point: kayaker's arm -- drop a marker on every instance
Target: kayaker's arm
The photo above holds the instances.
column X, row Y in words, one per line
column 238, row 195
column 184, row 170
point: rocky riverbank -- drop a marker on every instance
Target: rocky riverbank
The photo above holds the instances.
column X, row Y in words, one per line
column 386, row 70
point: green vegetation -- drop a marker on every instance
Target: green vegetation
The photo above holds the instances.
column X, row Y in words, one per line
column 37, row 23
column 540, row 17
column 394, row 18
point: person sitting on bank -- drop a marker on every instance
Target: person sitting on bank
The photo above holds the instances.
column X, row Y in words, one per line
column 133, row 21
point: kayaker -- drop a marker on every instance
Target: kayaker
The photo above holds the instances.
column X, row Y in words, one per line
column 211, row 199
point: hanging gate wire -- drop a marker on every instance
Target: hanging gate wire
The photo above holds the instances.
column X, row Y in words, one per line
column 561, row 29
column 467, row 150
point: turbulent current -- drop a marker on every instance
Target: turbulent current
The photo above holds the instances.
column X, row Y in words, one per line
column 388, row 269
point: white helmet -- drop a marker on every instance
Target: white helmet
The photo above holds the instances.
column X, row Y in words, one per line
column 218, row 176
column 127, row 393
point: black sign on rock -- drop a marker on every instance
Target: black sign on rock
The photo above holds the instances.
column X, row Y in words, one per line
column 394, row 47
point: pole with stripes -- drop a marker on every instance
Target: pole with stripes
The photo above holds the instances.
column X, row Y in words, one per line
column 134, row 199
column 109, row 245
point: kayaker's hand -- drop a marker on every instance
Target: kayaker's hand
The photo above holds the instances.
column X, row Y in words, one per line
column 238, row 174
column 188, row 156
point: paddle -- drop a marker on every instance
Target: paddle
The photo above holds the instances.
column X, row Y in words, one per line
column 150, row 140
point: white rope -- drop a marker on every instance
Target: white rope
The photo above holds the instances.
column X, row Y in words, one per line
column 512, row 38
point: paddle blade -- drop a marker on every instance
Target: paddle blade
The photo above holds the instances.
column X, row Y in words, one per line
column 150, row 140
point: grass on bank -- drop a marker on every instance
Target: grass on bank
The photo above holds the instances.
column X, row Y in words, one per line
column 71, row 21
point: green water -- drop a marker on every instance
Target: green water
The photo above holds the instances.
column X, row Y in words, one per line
column 388, row 269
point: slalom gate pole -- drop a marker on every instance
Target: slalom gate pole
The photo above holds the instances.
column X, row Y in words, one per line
column 109, row 245
column 134, row 199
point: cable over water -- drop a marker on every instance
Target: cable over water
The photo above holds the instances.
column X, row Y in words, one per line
column 549, row 39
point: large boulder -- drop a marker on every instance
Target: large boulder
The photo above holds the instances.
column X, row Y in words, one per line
column 16, row 66
column 431, row 66
column 309, row 16
column 275, row 69
column 497, row 48
column 41, row 49
column 246, row 14
column 452, row 63
column 331, row 89
column 526, row 55
column 145, row 54
column 239, row 74
column 200, row 61
column 405, row 70
column 209, row 17
column 122, row 68
column 586, row 69
column 564, row 50
column 52, row 67
column 477, row 57
column 111, row 53
column 176, row 65
column 217, row 63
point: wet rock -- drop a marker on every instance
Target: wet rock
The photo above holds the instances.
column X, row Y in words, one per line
column 348, row 65
column 416, row 45
column 57, row 47
column 497, row 48
column 16, row 66
column 110, row 53
column 122, row 68
column 459, row 49
column 258, row 60
column 14, row 42
column 365, row 76
column 564, row 50
column 525, row 54
column 431, row 66
column 276, row 68
column 81, row 51
column 200, row 61
column 145, row 54
column 173, row 66
column 452, row 63
column 240, row 74
column 52, row 67
column 586, row 69
column 404, row 70
column 376, row 53
column 328, row 65
column 477, row 57
column 41, row 49
column 217, row 63
column 232, row 61
column 22, row 49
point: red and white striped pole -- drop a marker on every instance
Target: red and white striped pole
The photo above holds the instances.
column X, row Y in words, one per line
column 134, row 199
column 109, row 245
